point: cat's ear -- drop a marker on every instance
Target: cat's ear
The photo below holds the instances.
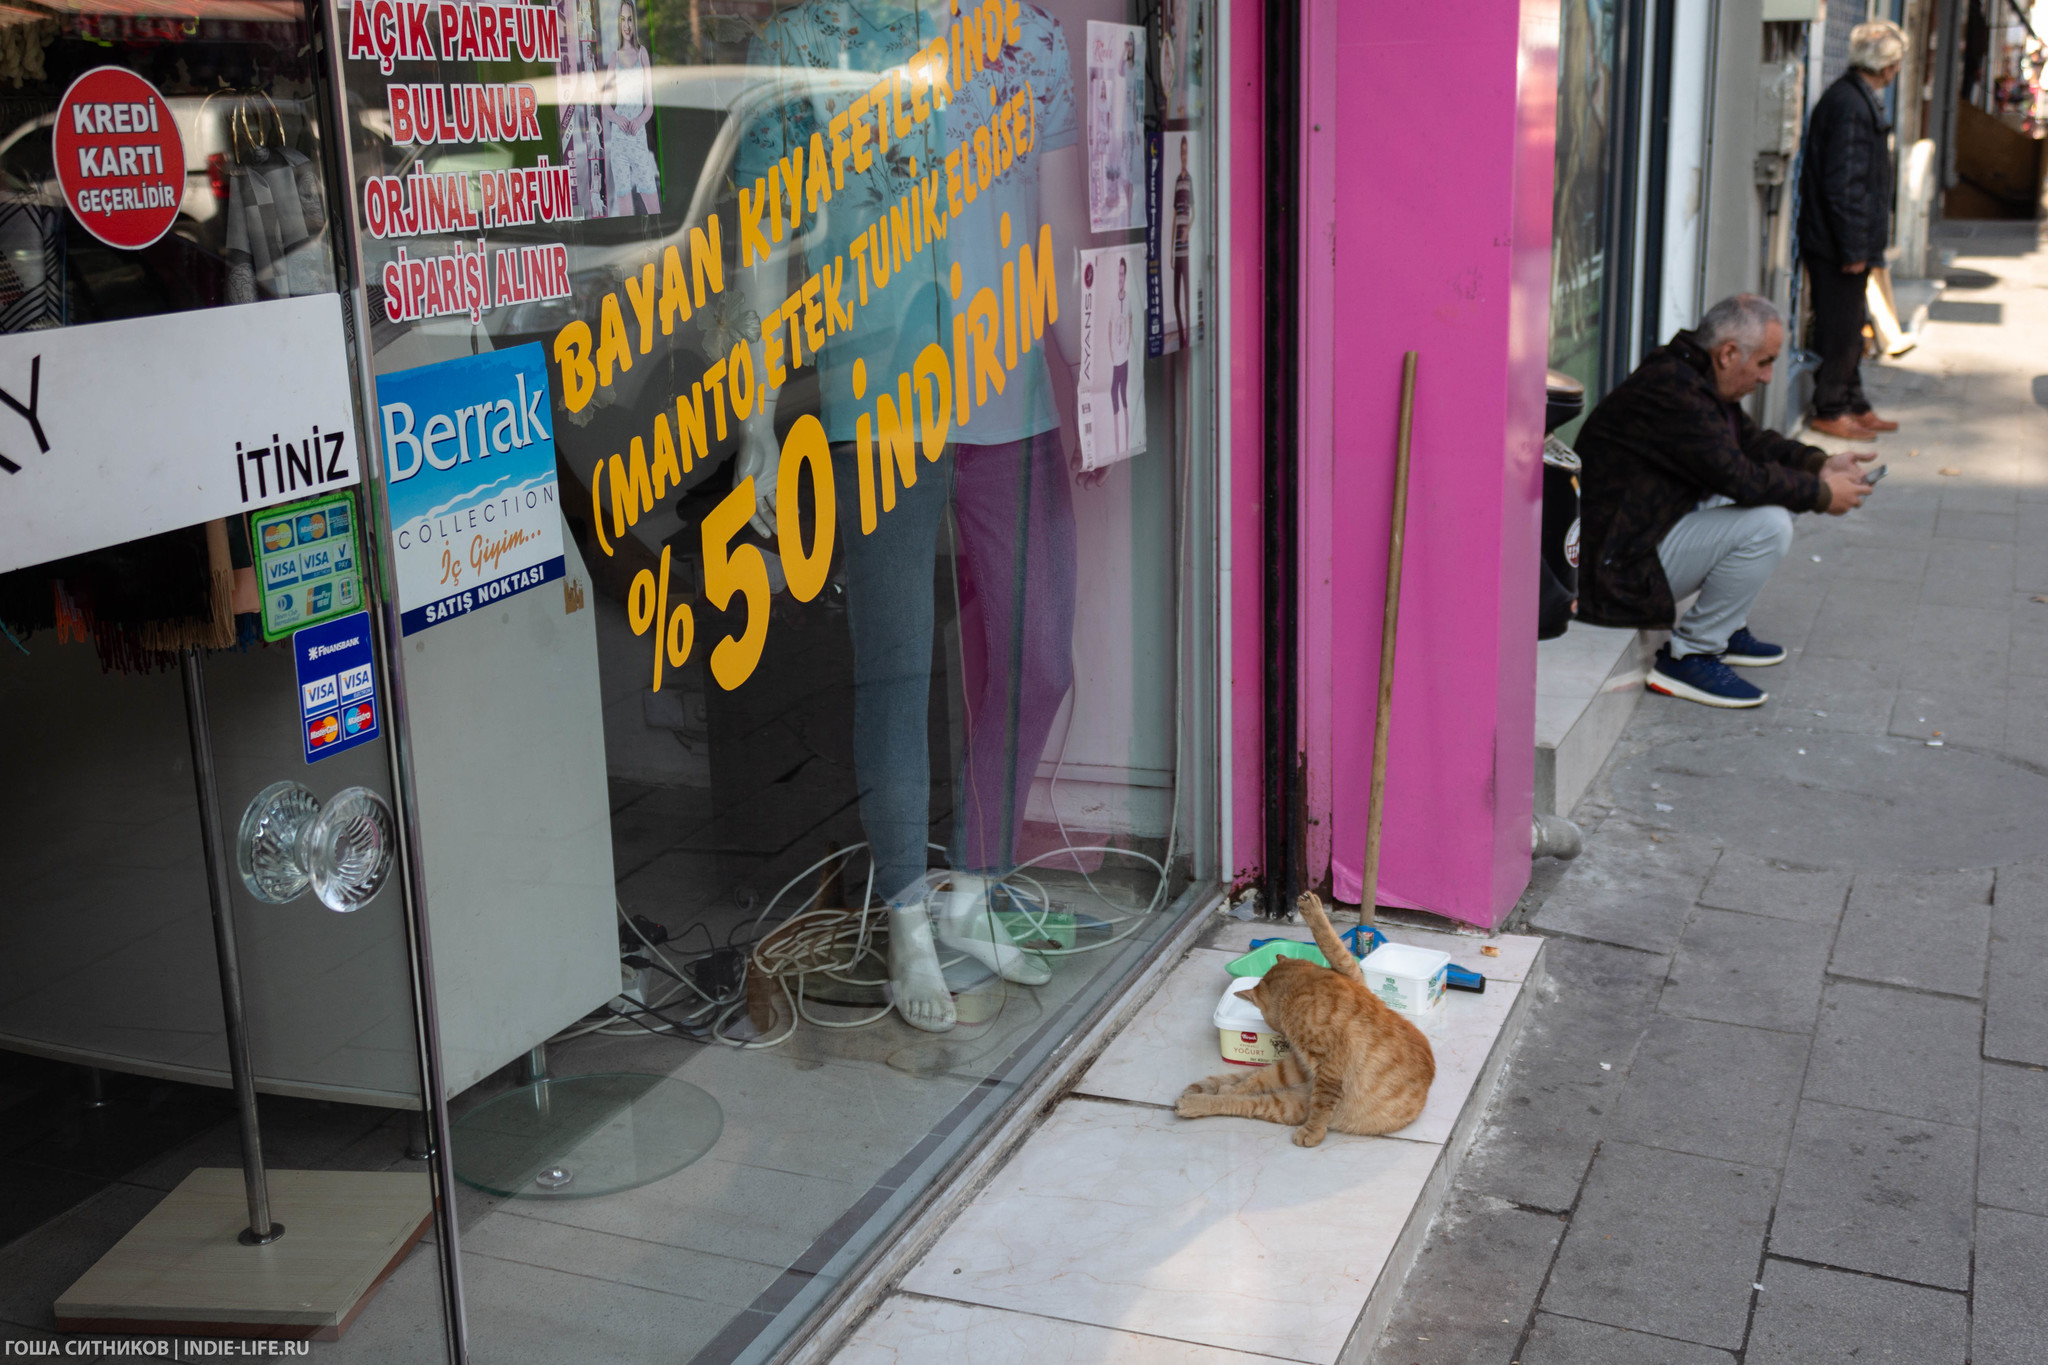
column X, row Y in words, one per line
column 1251, row 994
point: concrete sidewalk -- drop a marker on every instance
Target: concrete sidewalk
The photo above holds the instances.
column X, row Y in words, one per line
column 1784, row 1097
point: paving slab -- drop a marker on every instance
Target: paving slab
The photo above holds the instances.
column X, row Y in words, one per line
column 1967, row 573
column 1879, row 1047
column 1591, row 1009
column 1854, row 800
column 1926, row 930
column 1664, row 1243
column 1713, row 1089
column 2009, row 1327
column 1759, row 886
column 1570, row 1341
column 1807, row 1314
column 1469, row 1296
column 2016, row 999
column 2012, row 1145
column 1628, row 889
column 1879, row 1193
column 1746, row 969
column 1960, row 709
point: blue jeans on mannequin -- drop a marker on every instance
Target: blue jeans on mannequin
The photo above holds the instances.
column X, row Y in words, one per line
column 1016, row 525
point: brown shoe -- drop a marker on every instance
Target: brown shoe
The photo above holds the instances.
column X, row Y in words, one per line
column 1845, row 427
column 1871, row 422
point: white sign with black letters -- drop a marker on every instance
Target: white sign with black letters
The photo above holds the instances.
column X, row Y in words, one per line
column 117, row 430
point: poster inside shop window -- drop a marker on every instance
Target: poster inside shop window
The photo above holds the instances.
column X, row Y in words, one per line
column 1183, row 42
column 1174, row 303
column 606, row 126
column 1116, row 126
column 1110, row 384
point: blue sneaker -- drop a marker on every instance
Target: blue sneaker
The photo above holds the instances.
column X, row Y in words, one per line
column 1702, row 678
column 1746, row 651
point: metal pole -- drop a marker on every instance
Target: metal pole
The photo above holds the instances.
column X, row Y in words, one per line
column 260, row 1230
column 1390, row 620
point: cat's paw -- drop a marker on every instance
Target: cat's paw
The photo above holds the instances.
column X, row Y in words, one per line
column 1208, row 1085
column 1310, row 1135
column 1193, row 1104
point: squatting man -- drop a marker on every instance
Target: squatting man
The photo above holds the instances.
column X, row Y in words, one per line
column 1683, row 493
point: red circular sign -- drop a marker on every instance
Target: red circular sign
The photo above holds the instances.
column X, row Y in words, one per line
column 119, row 157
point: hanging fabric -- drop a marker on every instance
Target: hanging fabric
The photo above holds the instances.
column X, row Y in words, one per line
column 276, row 241
column 139, row 603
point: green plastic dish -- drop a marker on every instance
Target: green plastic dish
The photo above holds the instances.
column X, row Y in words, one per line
column 1260, row 960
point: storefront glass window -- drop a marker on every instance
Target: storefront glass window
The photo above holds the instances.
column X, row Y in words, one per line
column 177, row 497
column 1578, row 253
column 791, row 417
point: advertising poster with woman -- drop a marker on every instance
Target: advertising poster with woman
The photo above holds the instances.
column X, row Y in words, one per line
column 1180, row 57
column 607, row 115
column 1111, row 384
column 1116, row 126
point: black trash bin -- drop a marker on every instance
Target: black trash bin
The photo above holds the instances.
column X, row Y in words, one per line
column 1564, row 399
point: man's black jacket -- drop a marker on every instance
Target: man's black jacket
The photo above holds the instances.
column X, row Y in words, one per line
column 1845, row 177
column 1653, row 448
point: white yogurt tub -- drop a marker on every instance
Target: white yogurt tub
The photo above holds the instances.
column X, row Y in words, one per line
column 1243, row 1035
column 1408, row 978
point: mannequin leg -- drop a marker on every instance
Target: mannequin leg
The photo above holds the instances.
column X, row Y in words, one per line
column 1016, row 521
column 889, row 608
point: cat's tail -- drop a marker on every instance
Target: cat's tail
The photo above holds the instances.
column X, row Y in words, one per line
column 1334, row 951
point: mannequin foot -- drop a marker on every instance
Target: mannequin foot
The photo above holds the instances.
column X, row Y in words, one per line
column 916, row 985
column 967, row 925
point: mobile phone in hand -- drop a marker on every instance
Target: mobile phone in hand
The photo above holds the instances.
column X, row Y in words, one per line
column 1874, row 475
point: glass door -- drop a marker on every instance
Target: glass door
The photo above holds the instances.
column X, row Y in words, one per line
column 210, row 1069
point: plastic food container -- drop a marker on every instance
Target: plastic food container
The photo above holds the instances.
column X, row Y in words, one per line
column 1408, row 978
column 1243, row 1034
column 1266, row 951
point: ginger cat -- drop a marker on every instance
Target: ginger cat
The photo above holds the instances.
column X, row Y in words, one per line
column 1356, row 1065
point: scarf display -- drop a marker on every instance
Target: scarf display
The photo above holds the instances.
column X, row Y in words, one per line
column 138, row 603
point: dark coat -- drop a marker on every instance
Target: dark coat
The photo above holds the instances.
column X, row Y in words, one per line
column 1662, row 441
column 1845, row 177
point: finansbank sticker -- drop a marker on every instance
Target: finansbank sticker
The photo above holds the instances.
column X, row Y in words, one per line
column 338, row 702
column 469, row 458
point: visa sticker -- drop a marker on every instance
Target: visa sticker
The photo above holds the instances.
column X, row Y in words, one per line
column 319, row 694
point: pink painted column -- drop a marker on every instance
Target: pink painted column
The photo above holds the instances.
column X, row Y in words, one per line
column 1428, row 229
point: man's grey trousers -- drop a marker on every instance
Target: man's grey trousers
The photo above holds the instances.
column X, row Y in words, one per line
column 1726, row 554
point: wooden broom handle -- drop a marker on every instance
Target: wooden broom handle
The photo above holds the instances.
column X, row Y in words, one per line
column 1368, row 896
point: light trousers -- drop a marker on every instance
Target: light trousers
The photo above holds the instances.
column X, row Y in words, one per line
column 1726, row 554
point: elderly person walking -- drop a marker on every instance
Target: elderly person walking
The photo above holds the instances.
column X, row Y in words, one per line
column 1684, row 494
column 1845, row 205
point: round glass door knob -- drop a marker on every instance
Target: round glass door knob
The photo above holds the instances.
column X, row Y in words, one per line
column 288, row 842
column 348, row 851
column 267, row 848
